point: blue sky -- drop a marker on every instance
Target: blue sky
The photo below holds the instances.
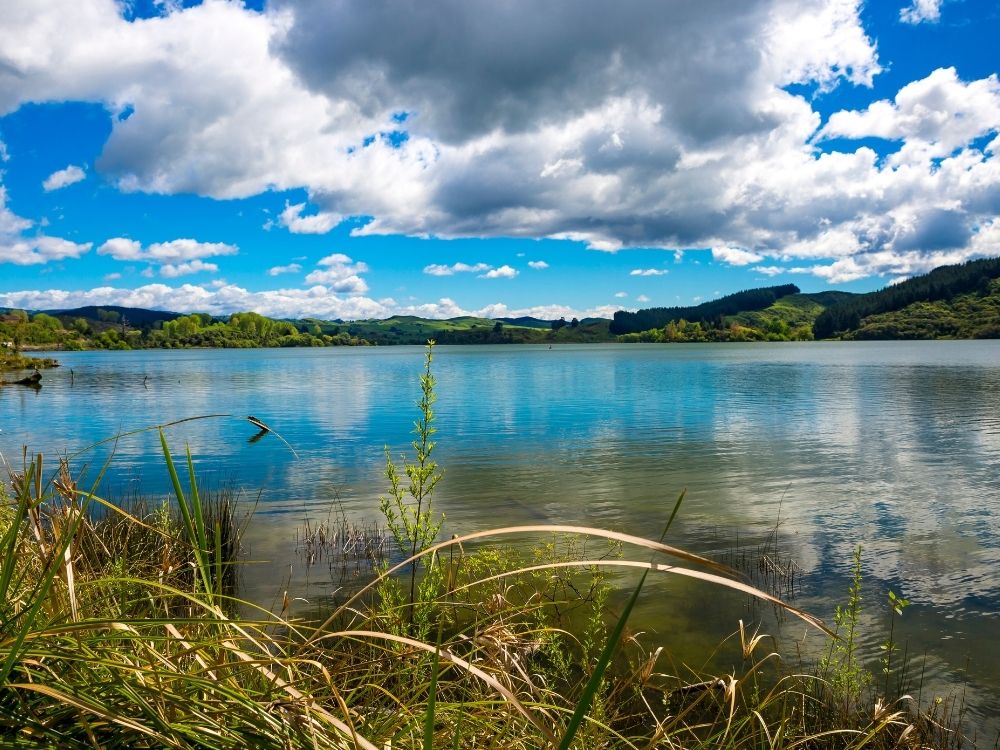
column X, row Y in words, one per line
column 302, row 157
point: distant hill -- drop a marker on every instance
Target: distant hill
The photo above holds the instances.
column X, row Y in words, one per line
column 527, row 322
column 408, row 329
column 748, row 300
column 136, row 317
column 926, row 306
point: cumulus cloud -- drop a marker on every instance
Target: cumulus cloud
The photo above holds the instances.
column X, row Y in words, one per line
column 544, row 312
column 644, row 123
column 735, row 256
column 538, row 265
column 648, row 272
column 503, row 272
column 278, row 270
column 175, row 258
column 642, row 298
column 340, row 273
column 317, row 301
column 933, row 116
column 296, row 223
column 173, row 270
column 920, row 11
column 63, row 177
column 770, row 270
column 621, row 295
column 188, row 250
column 438, row 269
column 21, row 249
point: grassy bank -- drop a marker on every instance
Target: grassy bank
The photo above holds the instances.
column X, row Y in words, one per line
column 121, row 627
column 11, row 360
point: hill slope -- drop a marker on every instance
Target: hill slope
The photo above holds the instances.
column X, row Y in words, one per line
column 974, row 315
column 656, row 317
column 941, row 284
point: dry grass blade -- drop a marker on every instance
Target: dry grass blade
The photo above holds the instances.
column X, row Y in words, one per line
column 673, row 570
column 531, row 529
column 457, row 661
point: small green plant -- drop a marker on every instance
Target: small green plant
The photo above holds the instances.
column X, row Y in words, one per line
column 845, row 675
column 408, row 509
column 896, row 606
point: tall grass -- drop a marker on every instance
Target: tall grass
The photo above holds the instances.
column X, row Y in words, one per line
column 120, row 628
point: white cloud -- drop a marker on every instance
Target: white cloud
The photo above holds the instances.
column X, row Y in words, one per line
column 175, row 258
column 317, row 301
column 319, row 223
column 186, row 250
column 544, row 312
column 63, row 177
column 621, row 295
column 648, row 272
column 538, row 265
column 503, row 272
column 4, row 154
column 112, row 276
column 437, row 269
column 642, row 298
column 933, row 116
column 339, row 273
column 920, row 11
column 735, row 256
column 122, row 248
column 278, row 270
column 617, row 126
column 172, row 270
column 20, row 249
column 770, row 270
column 220, row 298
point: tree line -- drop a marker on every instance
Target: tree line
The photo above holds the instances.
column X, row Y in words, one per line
column 113, row 330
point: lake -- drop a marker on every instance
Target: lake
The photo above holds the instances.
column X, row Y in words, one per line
column 891, row 445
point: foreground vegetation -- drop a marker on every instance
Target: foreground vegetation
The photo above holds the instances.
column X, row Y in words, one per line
column 121, row 627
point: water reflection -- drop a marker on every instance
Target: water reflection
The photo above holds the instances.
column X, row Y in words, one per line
column 893, row 446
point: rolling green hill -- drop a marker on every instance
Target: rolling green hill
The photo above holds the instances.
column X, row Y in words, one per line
column 713, row 310
column 788, row 317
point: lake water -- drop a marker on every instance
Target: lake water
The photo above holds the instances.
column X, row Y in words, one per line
column 891, row 445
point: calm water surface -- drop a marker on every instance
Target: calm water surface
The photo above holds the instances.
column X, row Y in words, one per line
column 894, row 446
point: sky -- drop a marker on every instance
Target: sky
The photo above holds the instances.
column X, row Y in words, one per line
column 358, row 159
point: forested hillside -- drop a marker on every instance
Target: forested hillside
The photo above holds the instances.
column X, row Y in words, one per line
column 941, row 284
column 974, row 315
column 709, row 312
column 788, row 318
